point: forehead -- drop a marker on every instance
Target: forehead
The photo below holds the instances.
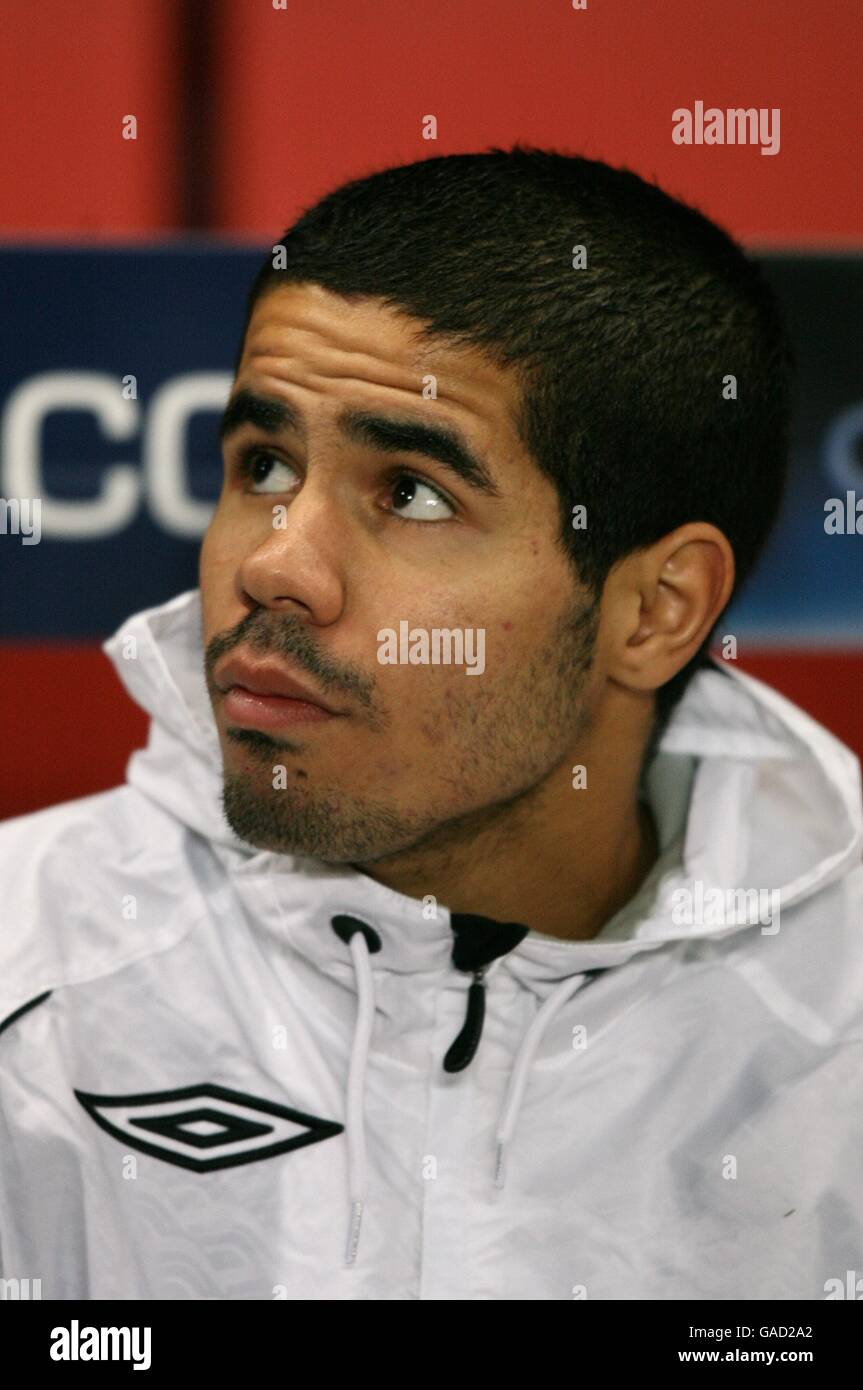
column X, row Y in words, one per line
column 305, row 336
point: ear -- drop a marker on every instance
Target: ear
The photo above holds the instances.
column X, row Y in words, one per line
column 660, row 603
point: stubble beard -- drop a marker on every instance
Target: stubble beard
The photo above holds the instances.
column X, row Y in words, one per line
column 505, row 747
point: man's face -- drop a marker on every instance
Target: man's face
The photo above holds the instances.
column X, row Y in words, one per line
column 337, row 532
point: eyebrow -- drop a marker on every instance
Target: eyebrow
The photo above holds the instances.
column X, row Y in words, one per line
column 389, row 434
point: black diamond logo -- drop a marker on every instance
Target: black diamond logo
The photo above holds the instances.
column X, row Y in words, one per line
column 237, row 1128
column 180, row 1127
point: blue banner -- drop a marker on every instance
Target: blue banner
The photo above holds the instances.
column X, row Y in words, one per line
column 116, row 363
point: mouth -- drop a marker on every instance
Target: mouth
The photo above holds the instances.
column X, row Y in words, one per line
column 268, row 697
column 249, row 710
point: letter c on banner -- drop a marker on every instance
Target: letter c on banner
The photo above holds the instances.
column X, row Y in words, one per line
column 168, row 496
column 26, row 410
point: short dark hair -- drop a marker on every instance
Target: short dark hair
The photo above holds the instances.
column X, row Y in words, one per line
column 620, row 364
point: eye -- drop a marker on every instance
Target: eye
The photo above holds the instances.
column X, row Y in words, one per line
column 416, row 500
column 413, row 499
column 256, row 465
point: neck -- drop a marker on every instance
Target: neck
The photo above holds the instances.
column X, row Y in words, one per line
column 558, row 860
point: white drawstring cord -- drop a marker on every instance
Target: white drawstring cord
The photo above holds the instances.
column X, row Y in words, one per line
column 356, row 1140
column 356, row 1137
column 524, row 1060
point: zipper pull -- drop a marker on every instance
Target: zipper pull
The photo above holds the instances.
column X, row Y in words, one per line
column 465, row 1045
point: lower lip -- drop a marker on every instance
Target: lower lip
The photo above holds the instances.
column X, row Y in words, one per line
column 252, row 711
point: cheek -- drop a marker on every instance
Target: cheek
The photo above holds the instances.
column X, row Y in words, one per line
column 217, row 568
column 502, row 632
column 204, row 560
column 231, row 536
column 212, row 547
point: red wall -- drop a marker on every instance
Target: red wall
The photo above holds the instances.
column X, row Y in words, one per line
column 305, row 97
column 317, row 93
column 69, row 73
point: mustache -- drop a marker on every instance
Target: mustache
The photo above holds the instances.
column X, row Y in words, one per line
column 287, row 636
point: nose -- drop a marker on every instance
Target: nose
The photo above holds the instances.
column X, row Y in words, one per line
column 298, row 565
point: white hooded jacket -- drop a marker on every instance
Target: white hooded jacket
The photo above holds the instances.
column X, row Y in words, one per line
column 221, row 1069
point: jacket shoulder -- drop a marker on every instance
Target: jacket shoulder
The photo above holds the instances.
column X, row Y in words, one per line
column 87, row 887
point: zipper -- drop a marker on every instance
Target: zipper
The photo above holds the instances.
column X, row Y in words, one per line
column 463, row 1048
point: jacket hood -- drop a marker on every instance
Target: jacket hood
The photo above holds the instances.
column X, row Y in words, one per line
column 746, row 789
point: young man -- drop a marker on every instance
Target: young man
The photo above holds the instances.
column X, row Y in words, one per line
column 464, row 931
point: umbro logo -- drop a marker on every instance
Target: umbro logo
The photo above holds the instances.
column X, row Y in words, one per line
column 205, row 1127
